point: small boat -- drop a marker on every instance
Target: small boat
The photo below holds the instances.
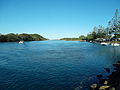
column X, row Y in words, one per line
column 21, row 41
column 104, row 43
column 115, row 44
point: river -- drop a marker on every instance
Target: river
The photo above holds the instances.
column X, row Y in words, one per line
column 53, row 64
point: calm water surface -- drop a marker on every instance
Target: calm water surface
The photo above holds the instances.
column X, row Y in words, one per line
column 53, row 65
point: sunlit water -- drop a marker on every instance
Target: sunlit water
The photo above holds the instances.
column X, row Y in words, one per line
column 53, row 65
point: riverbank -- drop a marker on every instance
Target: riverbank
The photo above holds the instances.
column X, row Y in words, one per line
column 112, row 82
column 112, row 43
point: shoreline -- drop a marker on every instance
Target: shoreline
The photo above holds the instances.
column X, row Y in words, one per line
column 105, row 43
column 110, row 83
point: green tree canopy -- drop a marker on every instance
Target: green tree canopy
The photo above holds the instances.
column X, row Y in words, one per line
column 11, row 37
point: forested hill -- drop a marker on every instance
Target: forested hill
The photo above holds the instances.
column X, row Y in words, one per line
column 11, row 37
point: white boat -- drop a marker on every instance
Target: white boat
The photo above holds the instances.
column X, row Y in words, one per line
column 104, row 43
column 21, row 41
column 115, row 44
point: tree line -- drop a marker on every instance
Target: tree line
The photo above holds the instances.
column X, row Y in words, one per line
column 11, row 37
column 111, row 31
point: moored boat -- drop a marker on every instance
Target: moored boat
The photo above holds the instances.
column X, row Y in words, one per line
column 115, row 44
column 21, row 41
column 104, row 43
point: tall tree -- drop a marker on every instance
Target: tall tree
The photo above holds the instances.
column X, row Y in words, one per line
column 114, row 24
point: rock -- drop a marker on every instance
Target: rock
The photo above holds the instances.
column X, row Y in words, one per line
column 107, row 70
column 102, row 81
column 112, row 88
column 78, row 88
column 118, row 61
column 106, row 82
column 103, row 87
column 99, row 76
column 93, row 86
column 117, row 65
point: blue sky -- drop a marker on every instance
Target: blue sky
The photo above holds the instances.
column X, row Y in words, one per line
column 55, row 19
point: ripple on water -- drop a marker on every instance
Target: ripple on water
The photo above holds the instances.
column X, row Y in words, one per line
column 53, row 65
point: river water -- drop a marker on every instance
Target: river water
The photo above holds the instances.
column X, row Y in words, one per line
column 53, row 64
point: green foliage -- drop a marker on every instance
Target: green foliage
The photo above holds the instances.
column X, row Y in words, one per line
column 25, row 37
column 82, row 37
column 37, row 37
column 106, row 33
column 114, row 24
column 2, row 38
column 70, row 39
column 98, row 32
column 89, row 37
column 11, row 37
column 118, row 36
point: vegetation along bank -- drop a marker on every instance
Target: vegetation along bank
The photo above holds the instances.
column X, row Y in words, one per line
column 11, row 37
column 99, row 33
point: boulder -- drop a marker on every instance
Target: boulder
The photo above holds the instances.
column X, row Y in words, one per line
column 93, row 86
column 104, row 87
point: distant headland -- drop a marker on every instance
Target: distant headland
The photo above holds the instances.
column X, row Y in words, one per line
column 11, row 37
